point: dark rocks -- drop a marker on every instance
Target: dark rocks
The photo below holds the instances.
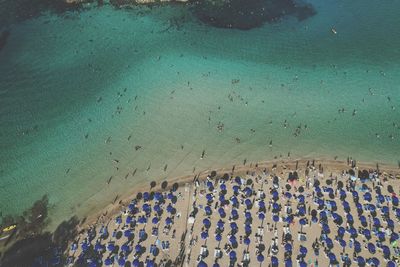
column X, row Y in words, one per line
column 248, row 14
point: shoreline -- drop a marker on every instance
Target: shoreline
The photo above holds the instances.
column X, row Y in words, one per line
column 110, row 210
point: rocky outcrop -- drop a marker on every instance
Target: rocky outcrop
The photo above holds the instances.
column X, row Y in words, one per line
column 247, row 14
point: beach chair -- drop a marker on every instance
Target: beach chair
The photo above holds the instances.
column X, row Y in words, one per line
column 217, row 253
column 204, row 251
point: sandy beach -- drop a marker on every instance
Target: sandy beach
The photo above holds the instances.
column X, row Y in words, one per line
column 185, row 227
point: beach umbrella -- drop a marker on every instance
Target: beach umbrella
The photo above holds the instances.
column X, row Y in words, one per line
column 394, row 237
column 142, row 220
column 128, row 219
column 85, row 246
column 332, row 258
column 247, row 229
column 390, row 223
column 275, row 195
column 221, row 212
column 288, row 262
column 301, row 198
column 98, row 246
column 154, row 220
column 303, row 221
column 376, row 222
column 353, row 232
column 218, row 237
column 209, row 184
column 234, row 226
column 381, row 236
column 208, row 210
column 288, row 195
column 157, row 208
column 206, row 222
column 150, row 263
column 222, row 187
column 274, row 261
column 118, row 220
column 168, row 220
column 361, row 261
column 215, row 265
column 234, row 213
column 247, row 202
column 289, row 218
column 367, row 196
column 261, row 216
column 395, row 201
column 350, row 219
column 342, row 243
column 74, row 247
column 128, row 233
column 110, row 247
column 109, row 261
column 341, row 231
column 357, row 246
column 232, row 239
column 247, row 215
column 386, row 251
column 391, row 264
column 201, row 264
column 288, row 247
column 329, row 242
column 138, row 248
column 260, row 257
column 381, row 198
column 385, row 210
column 234, row 201
column 125, row 248
column 303, row 251
column 235, row 189
column 371, row 248
column 246, row 241
column 121, row 261
column 275, row 218
column 232, row 255
column 131, row 206
column 367, row 234
column 158, row 196
column 204, row 235
column 170, row 208
column 220, row 224
column 238, row 180
column 135, row 263
column 248, row 191
column 374, row 261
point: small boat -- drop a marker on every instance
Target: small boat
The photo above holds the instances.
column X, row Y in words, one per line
column 334, row 31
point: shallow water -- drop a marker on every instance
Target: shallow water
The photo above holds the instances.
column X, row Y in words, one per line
column 62, row 78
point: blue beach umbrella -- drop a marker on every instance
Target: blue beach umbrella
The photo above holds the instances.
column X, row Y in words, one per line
column 207, row 223
column 127, row 233
column 234, row 226
column 220, row 224
column 247, row 202
column 246, row 241
column 247, row 215
column 275, row 218
column 215, row 265
column 391, row 264
column 232, row 255
column 121, row 261
column 371, row 248
column 150, row 263
column 138, row 248
column 154, row 220
column 168, row 220
column 135, row 263
column 232, row 239
column 274, row 261
column 108, row 261
column 361, row 261
column 288, row 247
column 85, row 246
column 98, row 246
column 128, row 219
column 208, row 210
column 261, row 216
column 125, row 248
column 303, row 251
column 260, row 257
column 204, row 235
column 110, row 247
column 288, row 262
column 218, row 237
column 222, row 187
column 201, row 264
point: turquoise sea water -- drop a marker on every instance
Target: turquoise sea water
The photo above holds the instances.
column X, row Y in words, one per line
column 79, row 92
